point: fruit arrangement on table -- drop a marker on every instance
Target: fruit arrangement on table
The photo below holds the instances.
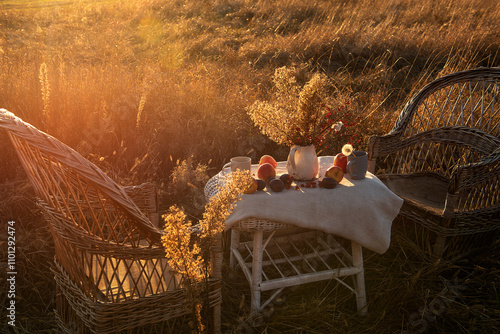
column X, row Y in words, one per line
column 268, row 179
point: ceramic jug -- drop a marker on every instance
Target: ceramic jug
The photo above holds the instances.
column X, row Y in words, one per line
column 302, row 163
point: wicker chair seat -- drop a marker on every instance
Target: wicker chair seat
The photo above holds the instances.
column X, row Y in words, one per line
column 426, row 191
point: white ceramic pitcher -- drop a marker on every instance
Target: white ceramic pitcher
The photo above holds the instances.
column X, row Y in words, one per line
column 302, row 162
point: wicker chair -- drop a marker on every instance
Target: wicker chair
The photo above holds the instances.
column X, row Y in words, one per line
column 443, row 157
column 110, row 267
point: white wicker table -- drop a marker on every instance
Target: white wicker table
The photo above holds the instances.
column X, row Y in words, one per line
column 277, row 246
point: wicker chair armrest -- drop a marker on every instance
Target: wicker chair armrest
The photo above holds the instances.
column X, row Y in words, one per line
column 141, row 249
column 474, row 139
column 473, row 186
column 145, row 196
column 461, row 135
column 478, row 174
column 63, row 227
column 383, row 145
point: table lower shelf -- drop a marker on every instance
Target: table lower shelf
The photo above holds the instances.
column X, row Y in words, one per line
column 271, row 262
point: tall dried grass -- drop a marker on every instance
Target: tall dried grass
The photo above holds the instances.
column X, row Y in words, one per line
column 181, row 74
column 140, row 86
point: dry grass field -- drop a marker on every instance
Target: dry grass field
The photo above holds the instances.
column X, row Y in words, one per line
column 157, row 90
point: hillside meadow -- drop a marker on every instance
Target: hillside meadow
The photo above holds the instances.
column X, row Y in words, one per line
column 157, row 91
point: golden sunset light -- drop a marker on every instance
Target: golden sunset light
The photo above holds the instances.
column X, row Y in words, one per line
column 222, row 166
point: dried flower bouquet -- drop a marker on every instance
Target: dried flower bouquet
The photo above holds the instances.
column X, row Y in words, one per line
column 299, row 115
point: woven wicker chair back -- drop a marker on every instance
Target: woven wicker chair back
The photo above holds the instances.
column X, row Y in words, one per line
column 110, row 267
column 455, row 120
column 102, row 239
column 76, row 188
column 469, row 99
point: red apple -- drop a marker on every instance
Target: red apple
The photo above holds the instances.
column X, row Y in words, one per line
column 268, row 159
column 341, row 161
column 335, row 172
column 252, row 187
column 265, row 171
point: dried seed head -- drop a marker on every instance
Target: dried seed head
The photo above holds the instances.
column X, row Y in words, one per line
column 347, row 149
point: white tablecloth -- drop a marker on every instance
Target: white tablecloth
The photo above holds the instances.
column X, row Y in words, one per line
column 358, row 210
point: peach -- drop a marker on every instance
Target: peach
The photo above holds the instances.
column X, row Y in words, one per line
column 266, row 171
column 268, row 159
column 252, row 187
column 336, row 173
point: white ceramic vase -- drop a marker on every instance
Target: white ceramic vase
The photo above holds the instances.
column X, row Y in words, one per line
column 302, row 163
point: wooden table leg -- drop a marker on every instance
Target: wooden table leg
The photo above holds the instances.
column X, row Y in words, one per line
column 357, row 261
column 235, row 242
column 256, row 271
